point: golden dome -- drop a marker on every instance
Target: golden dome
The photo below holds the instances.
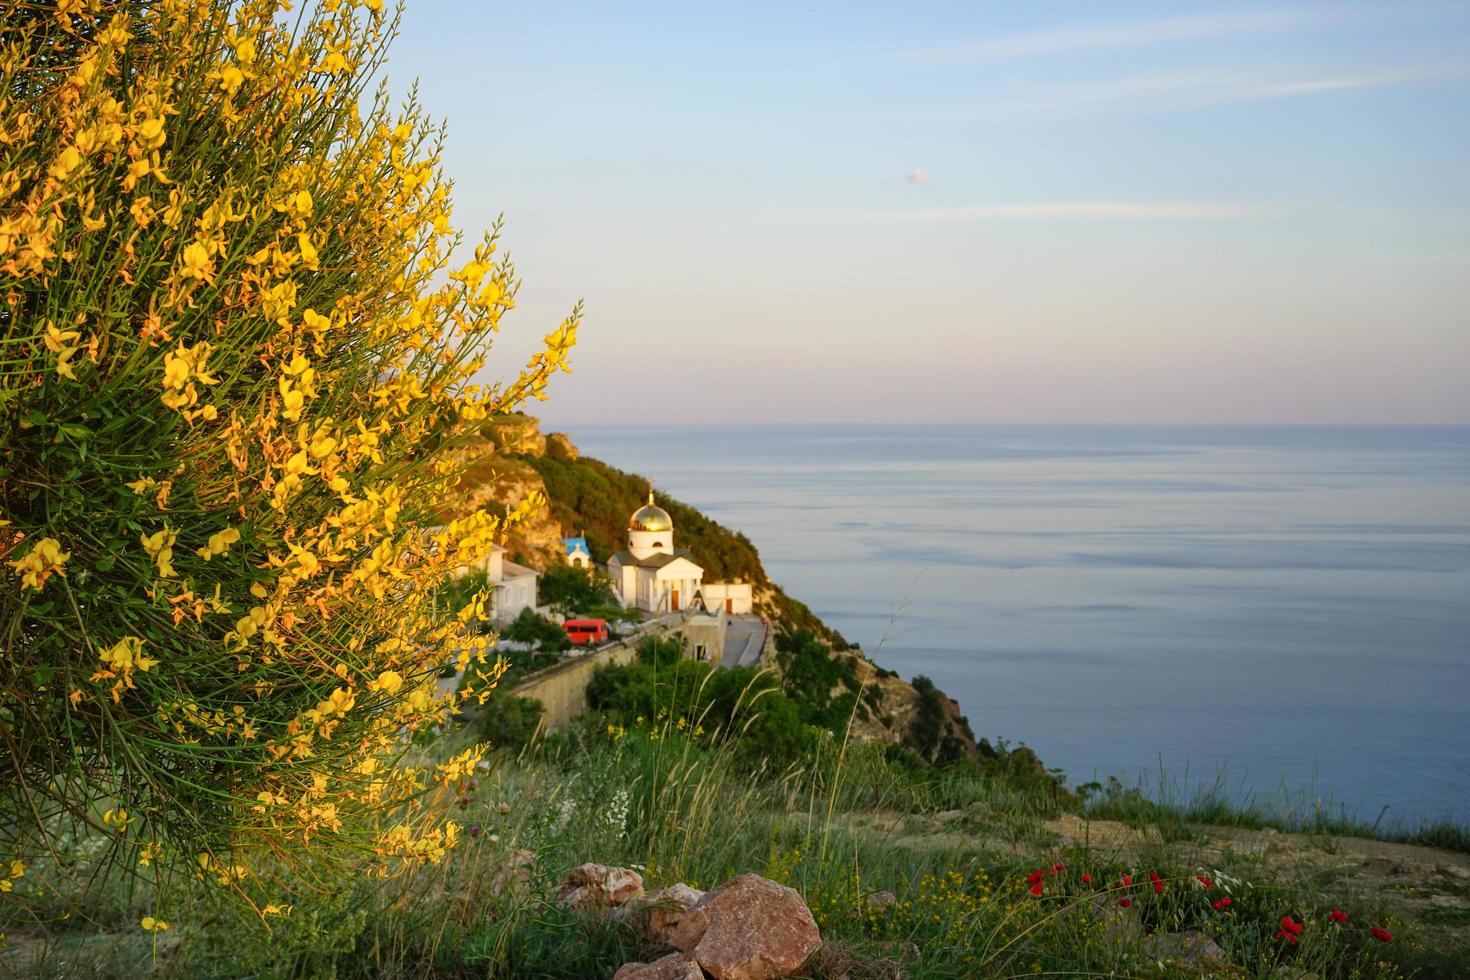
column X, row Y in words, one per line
column 650, row 517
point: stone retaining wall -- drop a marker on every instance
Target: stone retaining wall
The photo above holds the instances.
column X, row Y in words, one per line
column 562, row 688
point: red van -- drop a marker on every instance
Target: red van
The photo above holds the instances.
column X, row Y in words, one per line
column 586, row 632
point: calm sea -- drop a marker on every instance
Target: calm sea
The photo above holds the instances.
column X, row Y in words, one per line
column 1287, row 606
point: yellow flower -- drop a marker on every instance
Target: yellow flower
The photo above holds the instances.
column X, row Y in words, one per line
column 160, row 547
column 471, row 274
column 38, row 564
column 308, row 251
column 218, row 543
column 230, row 79
column 176, row 369
column 389, row 682
column 127, row 654
column 68, row 160
column 153, row 925
column 58, row 341
column 197, row 263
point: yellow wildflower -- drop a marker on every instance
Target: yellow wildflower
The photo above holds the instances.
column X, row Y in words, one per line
column 153, row 925
column 58, row 341
column 38, row 564
column 389, row 682
column 218, row 544
column 160, row 547
column 197, row 263
column 308, row 251
column 66, row 162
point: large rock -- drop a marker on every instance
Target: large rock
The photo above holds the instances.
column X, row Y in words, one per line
column 675, row 966
column 597, row 887
column 749, row 928
column 655, row 914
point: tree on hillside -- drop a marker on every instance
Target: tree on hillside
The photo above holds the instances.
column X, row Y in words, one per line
column 233, row 378
column 577, row 591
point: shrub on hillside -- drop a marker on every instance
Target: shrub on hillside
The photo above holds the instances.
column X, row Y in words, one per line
column 236, row 366
column 576, row 591
column 810, row 674
column 535, row 630
column 663, row 692
column 509, row 722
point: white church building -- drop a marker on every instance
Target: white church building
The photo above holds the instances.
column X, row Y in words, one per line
column 654, row 576
column 650, row 575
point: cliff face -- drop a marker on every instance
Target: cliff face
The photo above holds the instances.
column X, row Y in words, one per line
column 916, row 714
column 512, row 459
column 498, row 473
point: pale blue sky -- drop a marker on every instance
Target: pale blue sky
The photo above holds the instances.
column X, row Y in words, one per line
column 972, row 212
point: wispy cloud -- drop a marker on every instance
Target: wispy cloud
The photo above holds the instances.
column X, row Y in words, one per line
column 916, row 176
column 1181, row 90
column 1103, row 37
column 1083, row 210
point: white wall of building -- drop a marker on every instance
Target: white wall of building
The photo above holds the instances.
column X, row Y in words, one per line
column 645, row 543
column 736, row 598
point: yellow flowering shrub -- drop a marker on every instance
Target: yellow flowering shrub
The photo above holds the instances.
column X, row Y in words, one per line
column 236, row 368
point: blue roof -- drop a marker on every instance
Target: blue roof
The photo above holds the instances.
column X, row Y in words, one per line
column 575, row 545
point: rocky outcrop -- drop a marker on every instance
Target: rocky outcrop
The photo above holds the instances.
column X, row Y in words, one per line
column 654, row 915
column 902, row 713
column 598, row 888
column 498, row 476
column 749, row 928
column 560, row 444
column 515, row 435
column 675, row 966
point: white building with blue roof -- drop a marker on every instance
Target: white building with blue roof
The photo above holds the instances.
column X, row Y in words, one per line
column 578, row 554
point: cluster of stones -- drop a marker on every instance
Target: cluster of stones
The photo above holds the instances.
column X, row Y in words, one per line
column 749, row 928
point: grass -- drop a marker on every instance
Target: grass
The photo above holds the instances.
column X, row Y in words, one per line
column 954, row 849
column 1174, row 806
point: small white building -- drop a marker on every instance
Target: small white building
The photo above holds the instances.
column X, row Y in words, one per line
column 737, row 598
column 512, row 586
column 651, row 574
column 578, row 554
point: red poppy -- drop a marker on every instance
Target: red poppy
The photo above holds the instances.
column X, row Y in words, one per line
column 1058, row 868
column 1086, row 878
column 1127, row 880
column 1382, row 935
column 1153, row 876
column 1033, row 877
column 1125, row 902
column 1338, row 915
column 1204, row 881
column 1222, row 904
column 1288, row 936
column 1292, row 926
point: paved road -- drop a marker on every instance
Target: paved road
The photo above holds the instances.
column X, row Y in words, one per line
column 745, row 638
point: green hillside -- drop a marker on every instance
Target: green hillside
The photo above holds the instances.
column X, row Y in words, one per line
column 589, row 496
